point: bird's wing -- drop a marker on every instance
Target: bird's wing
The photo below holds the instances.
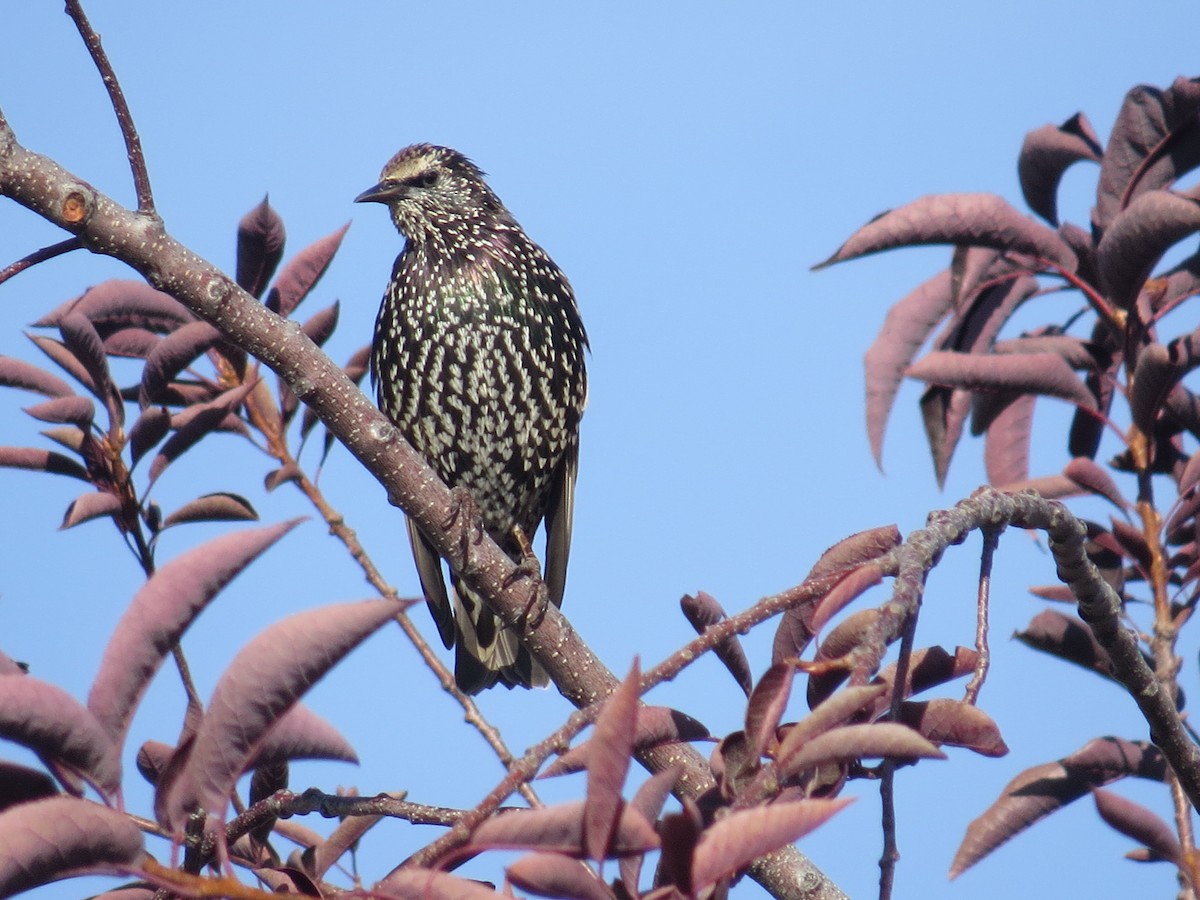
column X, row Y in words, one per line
column 560, row 509
column 429, row 569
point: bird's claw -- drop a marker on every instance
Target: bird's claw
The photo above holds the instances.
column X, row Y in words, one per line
column 529, row 567
column 464, row 513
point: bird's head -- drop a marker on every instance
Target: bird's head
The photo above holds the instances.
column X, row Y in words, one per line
column 433, row 190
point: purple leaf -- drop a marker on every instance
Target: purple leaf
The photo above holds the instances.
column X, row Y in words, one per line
column 767, row 704
column 656, row 725
column 848, row 743
column 42, row 461
column 741, row 837
column 830, row 713
column 907, row 325
column 321, row 325
column 1046, row 154
column 973, row 220
column 260, row 240
column 197, row 422
column 954, row 723
column 1041, row 790
column 703, row 610
column 86, row 507
column 609, row 752
column 428, row 884
column 50, row 839
column 302, row 272
column 172, row 355
column 64, row 358
column 844, row 637
column 81, row 338
column 219, row 507
column 551, row 875
column 1095, row 480
column 1006, row 447
column 560, row 829
column 131, row 343
column 929, row 667
column 1137, row 239
column 148, row 429
column 20, row 785
column 1036, row 373
column 19, row 374
column 123, row 304
column 65, row 410
column 302, row 734
column 1156, row 373
column 158, row 615
column 49, row 721
column 262, row 683
column 943, row 412
column 1153, row 142
column 849, row 589
column 1139, row 823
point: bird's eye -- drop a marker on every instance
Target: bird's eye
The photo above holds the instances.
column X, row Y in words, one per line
column 425, row 179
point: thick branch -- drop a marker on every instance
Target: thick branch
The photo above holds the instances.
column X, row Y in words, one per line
column 141, row 242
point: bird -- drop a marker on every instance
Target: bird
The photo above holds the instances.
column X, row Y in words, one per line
column 478, row 359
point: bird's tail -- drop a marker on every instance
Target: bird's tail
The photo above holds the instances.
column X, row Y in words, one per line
column 486, row 650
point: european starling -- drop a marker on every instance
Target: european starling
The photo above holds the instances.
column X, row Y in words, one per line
column 478, row 359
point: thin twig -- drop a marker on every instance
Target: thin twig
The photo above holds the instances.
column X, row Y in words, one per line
column 133, row 141
column 39, row 256
column 983, row 653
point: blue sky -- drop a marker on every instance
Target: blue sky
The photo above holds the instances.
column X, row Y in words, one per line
column 685, row 166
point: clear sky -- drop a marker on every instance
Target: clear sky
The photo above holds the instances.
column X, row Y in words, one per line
column 685, row 165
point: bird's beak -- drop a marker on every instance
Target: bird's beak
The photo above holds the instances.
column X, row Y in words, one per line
column 384, row 192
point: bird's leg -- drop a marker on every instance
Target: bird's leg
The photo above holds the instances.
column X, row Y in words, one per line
column 529, row 567
column 464, row 513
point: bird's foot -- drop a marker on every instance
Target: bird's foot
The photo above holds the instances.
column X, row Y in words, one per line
column 465, row 514
column 529, row 568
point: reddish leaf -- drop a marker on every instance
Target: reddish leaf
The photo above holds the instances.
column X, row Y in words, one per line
column 928, row 668
column 429, row 884
column 302, row 272
column 50, row 839
column 608, row 763
column 172, row 355
column 200, row 421
column 954, row 723
column 656, row 725
column 1041, row 790
column 560, row 829
column 49, row 721
column 767, row 704
column 148, row 429
column 1152, row 143
column 1046, row 154
column 847, row 743
column 219, row 507
column 19, row 374
column 65, row 410
column 159, row 614
column 943, row 412
column 1093, row 479
column 1037, row 373
column 741, row 837
column 262, row 683
column 1006, row 448
column 321, row 325
column 849, row 589
column 301, row 734
column 1137, row 822
column 975, row 220
column 131, row 343
column 85, row 344
column 551, row 875
column 41, row 460
column 260, row 240
column 830, row 713
column 907, row 325
column 61, row 355
column 844, row 637
column 20, row 785
column 86, row 507
column 122, row 304
column 702, row 611
column 1137, row 239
